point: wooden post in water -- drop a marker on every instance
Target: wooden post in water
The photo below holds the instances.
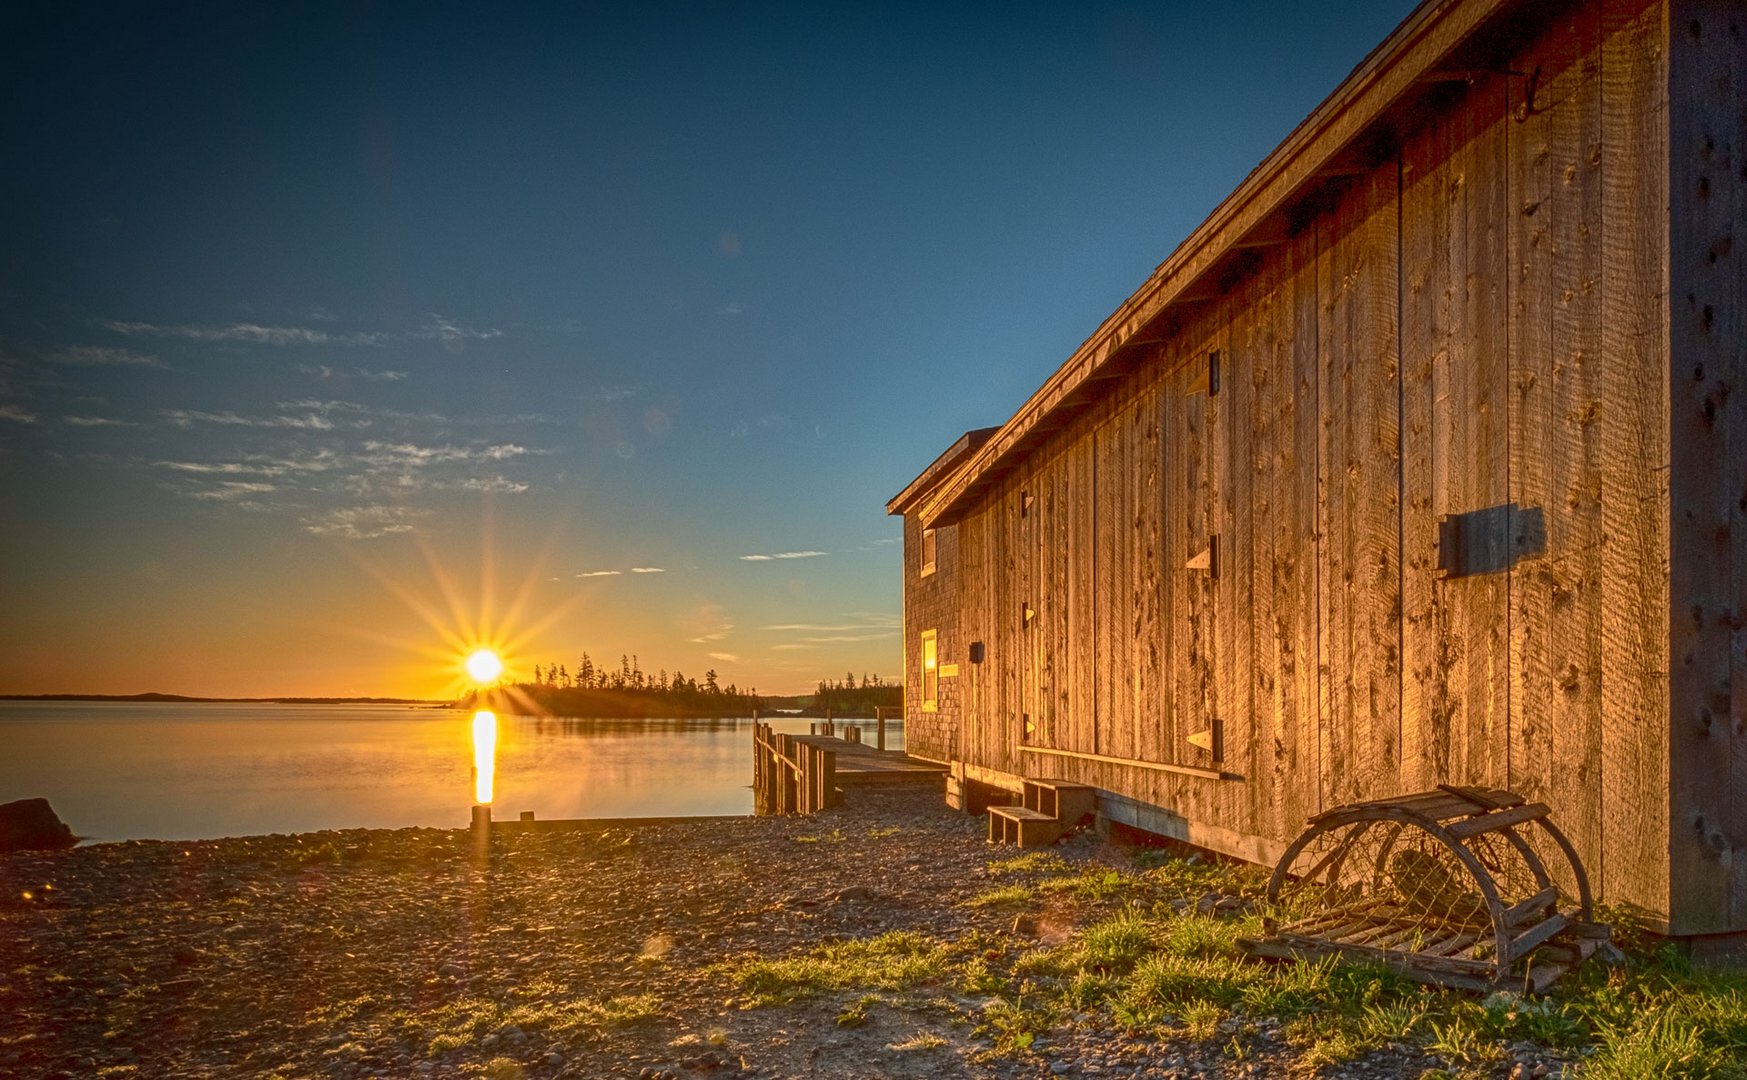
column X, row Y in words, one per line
column 879, row 727
column 851, row 733
column 788, row 789
column 827, row 778
column 757, row 767
column 829, row 729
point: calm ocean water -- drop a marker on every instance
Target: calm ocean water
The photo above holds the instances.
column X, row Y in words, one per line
column 118, row 771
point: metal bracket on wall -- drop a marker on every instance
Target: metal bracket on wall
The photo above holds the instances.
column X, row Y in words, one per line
column 1208, row 560
column 1207, row 379
column 1212, row 740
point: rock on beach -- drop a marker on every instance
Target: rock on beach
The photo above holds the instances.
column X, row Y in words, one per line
column 33, row 825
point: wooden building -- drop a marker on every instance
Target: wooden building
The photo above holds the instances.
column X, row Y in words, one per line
column 1423, row 459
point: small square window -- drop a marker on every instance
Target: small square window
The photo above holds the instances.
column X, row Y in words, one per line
column 929, row 549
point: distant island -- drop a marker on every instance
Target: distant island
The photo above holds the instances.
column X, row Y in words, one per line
column 186, row 698
column 626, row 692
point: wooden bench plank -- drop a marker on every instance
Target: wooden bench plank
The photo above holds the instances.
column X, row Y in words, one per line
column 1500, row 819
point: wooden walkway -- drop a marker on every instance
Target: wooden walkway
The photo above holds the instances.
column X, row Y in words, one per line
column 802, row 774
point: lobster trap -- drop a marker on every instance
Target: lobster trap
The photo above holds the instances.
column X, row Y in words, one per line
column 1461, row 887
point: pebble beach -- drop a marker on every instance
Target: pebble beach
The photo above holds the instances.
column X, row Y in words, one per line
column 618, row 951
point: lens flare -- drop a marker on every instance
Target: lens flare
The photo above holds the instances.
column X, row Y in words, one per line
column 483, row 666
column 484, row 755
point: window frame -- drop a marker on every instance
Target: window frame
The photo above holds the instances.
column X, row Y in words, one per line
column 930, row 660
column 930, row 552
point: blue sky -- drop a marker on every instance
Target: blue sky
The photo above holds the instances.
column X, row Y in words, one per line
column 331, row 336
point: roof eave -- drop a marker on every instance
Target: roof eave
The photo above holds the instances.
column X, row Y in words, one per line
column 938, row 470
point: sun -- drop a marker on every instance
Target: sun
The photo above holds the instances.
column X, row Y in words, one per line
column 483, row 666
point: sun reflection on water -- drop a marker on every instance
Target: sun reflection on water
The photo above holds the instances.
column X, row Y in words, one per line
column 484, row 755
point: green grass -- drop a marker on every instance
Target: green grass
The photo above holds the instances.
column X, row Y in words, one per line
column 1131, row 952
column 1029, row 863
column 1005, row 896
column 898, row 960
column 462, row 1023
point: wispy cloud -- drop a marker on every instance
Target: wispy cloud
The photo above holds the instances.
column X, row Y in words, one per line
column 412, row 455
column 839, row 638
column 730, row 310
column 743, row 428
column 187, row 417
column 233, row 490
column 599, row 573
column 790, row 646
column 648, row 570
column 323, row 371
column 828, row 628
column 784, row 555
column 17, row 414
column 612, row 393
column 95, row 421
column 725, row 657
column 493, row 484
column 245, row 333
column 260, row 465
column 105, row 356
column 362, row 522
column 451, row 333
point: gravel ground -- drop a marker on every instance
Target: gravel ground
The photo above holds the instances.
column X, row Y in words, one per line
column 405, row 953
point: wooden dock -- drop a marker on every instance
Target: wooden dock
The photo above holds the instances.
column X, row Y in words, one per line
column 803, row 774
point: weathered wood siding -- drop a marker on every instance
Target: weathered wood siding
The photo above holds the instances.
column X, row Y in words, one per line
column 1707, row 291
column 931, row 602
column 1500, row 325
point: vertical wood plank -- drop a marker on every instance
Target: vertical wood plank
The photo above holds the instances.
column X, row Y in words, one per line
column 1705, row 159
column 1241, row 339
column 1285, row 542
column 1475, row 476
column 1161, row 723
column 1529, row 331
column 1259, row 349
column 1634, row 452
column 1300, row 574
column 1736, row 420
column 1360, row 483
column 1576, row 656
column 1081, row 565
column 1426, row 707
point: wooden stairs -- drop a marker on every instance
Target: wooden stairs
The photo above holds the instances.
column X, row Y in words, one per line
column 1046, row 810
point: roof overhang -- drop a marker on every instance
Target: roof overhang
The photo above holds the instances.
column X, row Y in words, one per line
column 1356, row 128
column 941, row 468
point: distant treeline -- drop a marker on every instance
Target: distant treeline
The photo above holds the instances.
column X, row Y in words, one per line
column 849, row 698
column 600, row 691
column 597, row 691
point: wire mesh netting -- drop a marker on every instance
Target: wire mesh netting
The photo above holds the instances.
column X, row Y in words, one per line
column 1466, row 883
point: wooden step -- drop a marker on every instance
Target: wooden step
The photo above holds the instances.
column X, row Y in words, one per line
column 1022, row 826
column 1065, row 800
